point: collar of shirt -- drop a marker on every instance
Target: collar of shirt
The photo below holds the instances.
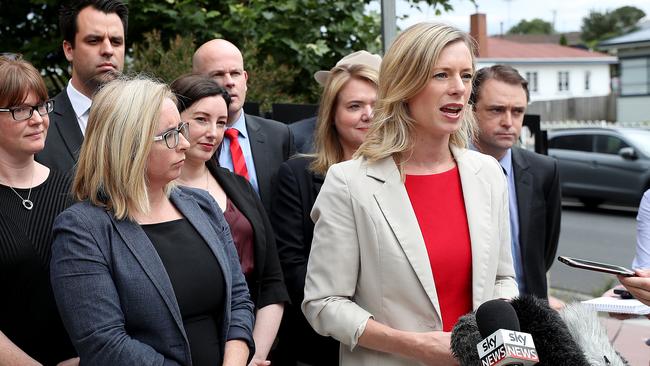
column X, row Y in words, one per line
column 80, row 103
column 506, row 162
column 240, row 125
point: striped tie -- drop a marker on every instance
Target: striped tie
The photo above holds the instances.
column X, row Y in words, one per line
column 238, row 161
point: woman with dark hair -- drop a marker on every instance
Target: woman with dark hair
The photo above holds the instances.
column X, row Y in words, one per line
column 31, row 195
column 204, row 104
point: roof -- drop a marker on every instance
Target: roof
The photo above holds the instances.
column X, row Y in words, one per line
column 501, row 50
column 573, row 38
column 641, row 35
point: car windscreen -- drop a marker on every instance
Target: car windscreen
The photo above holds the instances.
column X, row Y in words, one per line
column 640, row 139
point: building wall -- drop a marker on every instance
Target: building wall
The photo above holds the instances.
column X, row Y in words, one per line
column 633, row 109
column 547, row 79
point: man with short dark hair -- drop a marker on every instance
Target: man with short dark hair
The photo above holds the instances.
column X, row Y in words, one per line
column 500, row 97
column 94, row 35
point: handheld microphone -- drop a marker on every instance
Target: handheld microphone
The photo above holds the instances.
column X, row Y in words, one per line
column 503, row 343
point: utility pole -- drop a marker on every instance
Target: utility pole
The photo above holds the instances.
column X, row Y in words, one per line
column 388, row 23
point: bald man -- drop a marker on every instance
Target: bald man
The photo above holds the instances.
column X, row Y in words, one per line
column 264, row 144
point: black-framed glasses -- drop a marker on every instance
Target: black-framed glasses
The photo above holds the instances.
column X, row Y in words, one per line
column 26, row 111
column 171, row 136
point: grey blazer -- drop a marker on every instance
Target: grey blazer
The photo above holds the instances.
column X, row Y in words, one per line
column 115, row 298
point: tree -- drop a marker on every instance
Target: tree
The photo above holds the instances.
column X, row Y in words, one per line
column 534, row 26
column 599, row 26
column 283, row 41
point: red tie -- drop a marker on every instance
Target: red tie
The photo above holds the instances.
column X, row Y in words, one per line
column 238, row 161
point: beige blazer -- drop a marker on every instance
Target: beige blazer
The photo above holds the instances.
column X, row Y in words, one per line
column 368, row 257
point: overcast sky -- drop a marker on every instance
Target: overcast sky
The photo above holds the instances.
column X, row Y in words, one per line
column 568, row 13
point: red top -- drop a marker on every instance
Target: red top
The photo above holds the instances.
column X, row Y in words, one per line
column 243, row 236
column 439, row 206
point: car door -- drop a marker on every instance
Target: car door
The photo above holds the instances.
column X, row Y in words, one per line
column 618, row 179
column 573, row 152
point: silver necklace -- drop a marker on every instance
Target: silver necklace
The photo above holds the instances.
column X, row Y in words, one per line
column 27, row 203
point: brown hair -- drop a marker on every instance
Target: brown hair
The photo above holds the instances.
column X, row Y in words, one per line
column 503, row 73
column 327, row 145
column 17, row 79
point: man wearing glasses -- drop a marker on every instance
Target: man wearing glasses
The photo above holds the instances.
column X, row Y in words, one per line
column 93, row 42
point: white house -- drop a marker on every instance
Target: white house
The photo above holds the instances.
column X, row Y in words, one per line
column 553, row 71
column 633, row 51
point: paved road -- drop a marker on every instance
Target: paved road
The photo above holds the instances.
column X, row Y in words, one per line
column 603, row 235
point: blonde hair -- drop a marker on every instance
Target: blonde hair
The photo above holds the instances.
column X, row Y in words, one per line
column 112, row 163
column 405, row 70
column 327, row 145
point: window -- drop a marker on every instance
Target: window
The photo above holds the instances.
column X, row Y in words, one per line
column 587, row 80
column 531, row 76
column 635, row 76
column 609, row 144
column 563, row 81
column 572, row 142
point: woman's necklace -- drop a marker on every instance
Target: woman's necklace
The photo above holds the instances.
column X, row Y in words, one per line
column 27, row 203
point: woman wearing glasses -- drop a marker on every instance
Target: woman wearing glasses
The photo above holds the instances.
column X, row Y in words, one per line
column 146, row 273
column 204, row 104
column 31, row 196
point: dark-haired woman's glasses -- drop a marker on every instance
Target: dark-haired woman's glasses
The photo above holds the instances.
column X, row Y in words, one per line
column 26, row 111
column 171, row 136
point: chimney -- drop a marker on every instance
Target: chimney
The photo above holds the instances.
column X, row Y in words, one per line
column 478, row 31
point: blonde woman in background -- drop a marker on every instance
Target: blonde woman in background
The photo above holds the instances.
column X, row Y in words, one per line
column 344, row 115
column 146, row 273
column 413, row 233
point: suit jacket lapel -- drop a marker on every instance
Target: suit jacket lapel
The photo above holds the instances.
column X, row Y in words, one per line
column 257, row 139
column 476, row 193
column 143, row 250
column 228, row 182
column 394, row 202
column 66, row 124
column 524, row 187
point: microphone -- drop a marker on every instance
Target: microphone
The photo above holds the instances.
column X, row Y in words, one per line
column 464, row 338
column 553, row 340
column 503, row 343
column 590, row 335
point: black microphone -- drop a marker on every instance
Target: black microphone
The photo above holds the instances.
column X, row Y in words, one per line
column 503, row 343
column 464, row 338
column 553, row 340
column 491, row 337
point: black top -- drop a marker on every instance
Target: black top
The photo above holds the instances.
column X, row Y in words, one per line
column 296, row 190
column 198, row 283
column 28, row 314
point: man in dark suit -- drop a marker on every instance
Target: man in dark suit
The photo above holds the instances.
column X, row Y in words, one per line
column 93, row 42
column 254, row 147
column 499, row 97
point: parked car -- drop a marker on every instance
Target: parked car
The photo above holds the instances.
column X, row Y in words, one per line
column 602, row 164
